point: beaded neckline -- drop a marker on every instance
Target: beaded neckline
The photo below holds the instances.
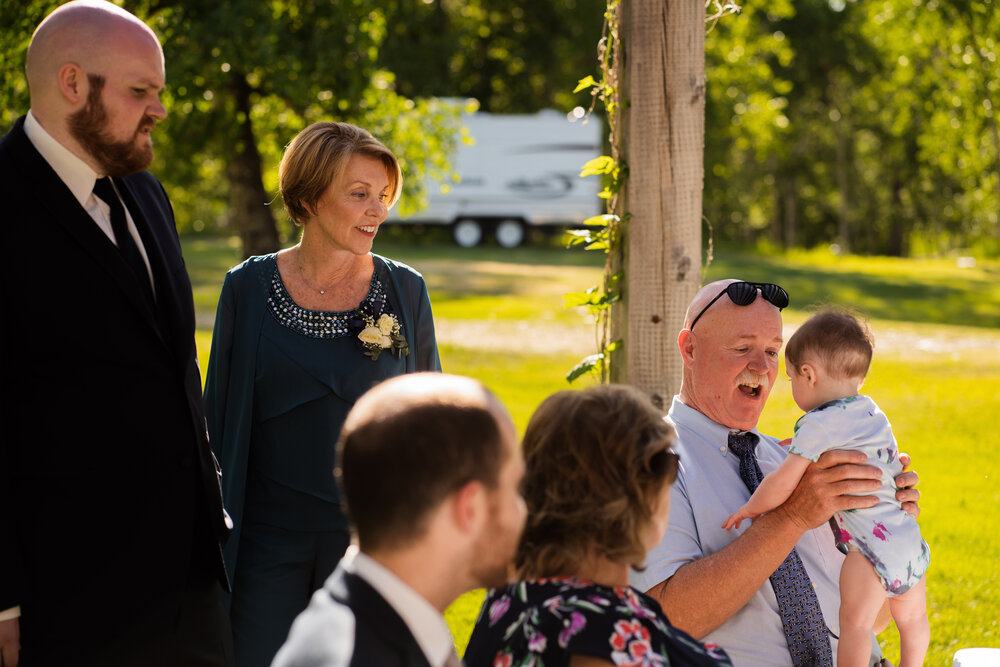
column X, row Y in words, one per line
column 321, row 323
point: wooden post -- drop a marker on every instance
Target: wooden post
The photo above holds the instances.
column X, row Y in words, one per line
column 662, row 130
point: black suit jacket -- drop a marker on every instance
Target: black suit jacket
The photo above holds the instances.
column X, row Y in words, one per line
column 109, row 494
column 322, row 635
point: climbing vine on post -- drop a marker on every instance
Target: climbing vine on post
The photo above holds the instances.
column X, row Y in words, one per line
column 601, row 232
column 606, row 232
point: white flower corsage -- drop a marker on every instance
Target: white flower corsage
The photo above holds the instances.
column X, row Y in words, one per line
column 382, row 335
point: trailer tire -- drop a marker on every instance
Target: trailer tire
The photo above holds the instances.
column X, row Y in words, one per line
column 509, row 233
column 467, row 232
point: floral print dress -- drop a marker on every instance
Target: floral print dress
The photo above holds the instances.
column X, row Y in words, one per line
column 541, row 623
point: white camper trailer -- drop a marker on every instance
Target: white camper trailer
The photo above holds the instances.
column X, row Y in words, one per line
column 521, row 170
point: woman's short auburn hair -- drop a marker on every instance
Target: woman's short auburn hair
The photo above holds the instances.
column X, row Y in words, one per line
column 596, row 462
column 317, row 157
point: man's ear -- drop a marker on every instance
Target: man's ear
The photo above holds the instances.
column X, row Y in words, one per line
column 469, row 507
column 686, row 341
column 73, row 83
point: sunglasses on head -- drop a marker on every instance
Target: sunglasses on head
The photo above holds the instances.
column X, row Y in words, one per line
column 743, row 294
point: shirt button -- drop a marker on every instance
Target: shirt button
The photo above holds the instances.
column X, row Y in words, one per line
column 722, row 449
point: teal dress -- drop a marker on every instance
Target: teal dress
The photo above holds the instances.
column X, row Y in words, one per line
column 281, row 380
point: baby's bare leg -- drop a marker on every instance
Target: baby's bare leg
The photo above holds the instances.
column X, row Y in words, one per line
column 861, row 597
column 909, row 610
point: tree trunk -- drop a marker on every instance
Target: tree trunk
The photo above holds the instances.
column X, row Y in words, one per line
column 896, row 242
column 843, row 183
column 662, row 142
column 996, row 169
column 790, row 198
column 247, row 198
column 775, row 232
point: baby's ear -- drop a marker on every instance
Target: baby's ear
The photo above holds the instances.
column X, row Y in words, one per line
column 808, row 371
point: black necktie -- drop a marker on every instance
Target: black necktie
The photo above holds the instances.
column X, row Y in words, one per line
column 126, row 245
column 801, row 617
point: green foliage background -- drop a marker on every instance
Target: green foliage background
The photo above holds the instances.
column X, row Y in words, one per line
column 872, row 123
column 869, row 123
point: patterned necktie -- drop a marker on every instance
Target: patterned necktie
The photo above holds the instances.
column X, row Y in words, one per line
column 801, row 617
column 126, row 244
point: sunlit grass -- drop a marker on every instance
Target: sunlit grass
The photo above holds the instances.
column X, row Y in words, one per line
column 910, row 290
column 936, row 375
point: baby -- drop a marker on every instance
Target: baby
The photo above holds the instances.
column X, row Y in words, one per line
column 827, row 359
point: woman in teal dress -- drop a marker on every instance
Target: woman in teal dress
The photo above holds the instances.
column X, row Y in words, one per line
column 299, row 336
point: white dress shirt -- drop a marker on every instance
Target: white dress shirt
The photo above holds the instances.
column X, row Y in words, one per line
column 424, row 621
column 80, row 179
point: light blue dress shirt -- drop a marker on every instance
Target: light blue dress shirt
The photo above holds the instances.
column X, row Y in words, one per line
column 708, row 489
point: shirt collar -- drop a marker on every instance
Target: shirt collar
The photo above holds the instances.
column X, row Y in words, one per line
column 424, row 621
column 712, row 433
column 74, row 172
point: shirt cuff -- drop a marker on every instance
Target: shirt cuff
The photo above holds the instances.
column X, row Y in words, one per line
column 7, row 614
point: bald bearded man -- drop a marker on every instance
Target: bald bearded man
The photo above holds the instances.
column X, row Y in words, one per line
column 112, row 515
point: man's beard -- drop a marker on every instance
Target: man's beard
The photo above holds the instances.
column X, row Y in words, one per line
column 116, row 158
column 495, row 549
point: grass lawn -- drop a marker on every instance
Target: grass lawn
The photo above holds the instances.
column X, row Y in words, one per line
column 500, row 318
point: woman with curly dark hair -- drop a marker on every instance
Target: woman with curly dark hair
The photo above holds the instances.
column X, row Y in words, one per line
column 599, row 466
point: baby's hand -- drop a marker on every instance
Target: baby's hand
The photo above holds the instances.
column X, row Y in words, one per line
column 735, row 519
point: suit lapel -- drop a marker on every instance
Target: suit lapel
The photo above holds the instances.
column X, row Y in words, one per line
column 166, row 294
column 66, row 212
column 372, row 609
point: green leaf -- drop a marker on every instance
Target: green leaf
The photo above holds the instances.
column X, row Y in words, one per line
column 591, row 364
column 579, row 235
column 592, row 297
column 604, row 164
column 601, row 220
column 584, row 83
